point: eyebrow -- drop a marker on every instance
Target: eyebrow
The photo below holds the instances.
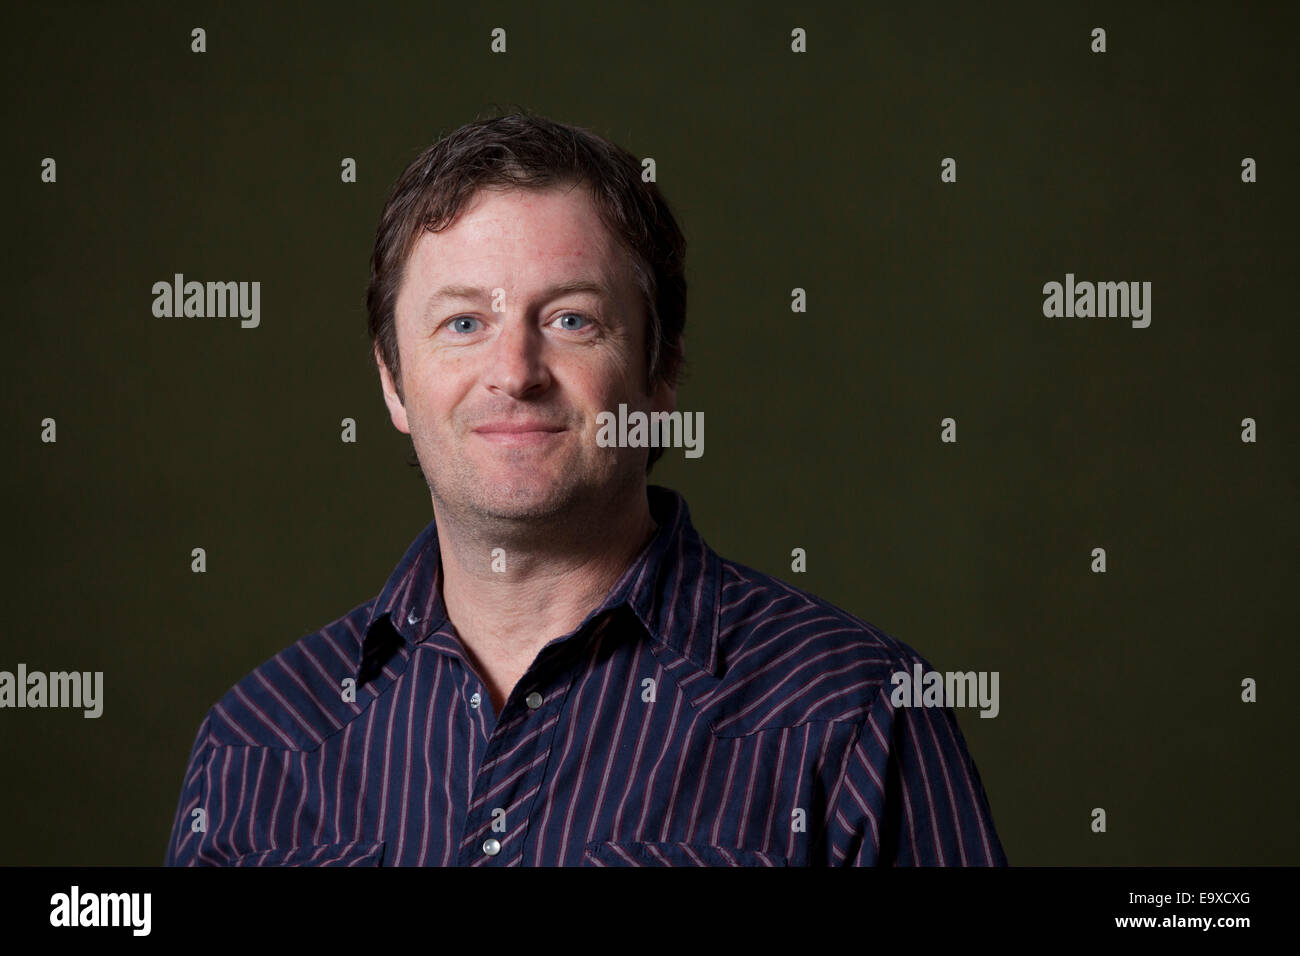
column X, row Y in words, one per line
column 456, row 291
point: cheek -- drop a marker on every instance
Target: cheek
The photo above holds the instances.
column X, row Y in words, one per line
column 601, row 395
column 436, row 381
column 425, row 403
column 630, row 375
column 618, row 375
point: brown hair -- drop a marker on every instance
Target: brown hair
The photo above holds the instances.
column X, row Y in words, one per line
column 521, row 150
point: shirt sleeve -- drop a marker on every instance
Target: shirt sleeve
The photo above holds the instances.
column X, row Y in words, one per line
column 910, row 794
column 184, row 844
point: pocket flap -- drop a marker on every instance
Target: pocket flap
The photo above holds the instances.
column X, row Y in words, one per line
column 675, row 854
column 321, row 854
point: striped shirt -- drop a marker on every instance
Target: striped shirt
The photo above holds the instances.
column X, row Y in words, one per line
column 704, row 714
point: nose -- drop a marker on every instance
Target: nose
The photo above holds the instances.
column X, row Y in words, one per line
column 517, row 366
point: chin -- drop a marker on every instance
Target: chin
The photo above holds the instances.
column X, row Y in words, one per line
column 524, row 495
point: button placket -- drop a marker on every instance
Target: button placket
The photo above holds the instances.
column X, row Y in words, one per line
column 558, row 684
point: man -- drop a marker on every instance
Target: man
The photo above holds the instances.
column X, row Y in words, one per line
column 560, row 671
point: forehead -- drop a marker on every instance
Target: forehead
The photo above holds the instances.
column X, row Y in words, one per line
column 518, row 240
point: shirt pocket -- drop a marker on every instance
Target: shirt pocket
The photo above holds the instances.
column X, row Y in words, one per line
column 612, row 853
column 321, row 854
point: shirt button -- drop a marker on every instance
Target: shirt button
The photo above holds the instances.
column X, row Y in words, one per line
column 533, row 700
column 475, row 700
column 491, row 847
column 412, row 617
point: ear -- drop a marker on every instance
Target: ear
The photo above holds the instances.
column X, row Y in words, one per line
column 664, row 398
column 396, row 411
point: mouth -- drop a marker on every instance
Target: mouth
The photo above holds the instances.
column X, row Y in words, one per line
column 524, row 434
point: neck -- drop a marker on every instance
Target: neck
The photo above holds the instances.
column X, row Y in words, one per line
column 510, row 588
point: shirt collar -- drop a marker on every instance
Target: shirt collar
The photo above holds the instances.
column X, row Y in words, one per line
column 672, row 587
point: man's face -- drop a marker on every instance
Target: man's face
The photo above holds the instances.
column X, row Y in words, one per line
column 491, row 343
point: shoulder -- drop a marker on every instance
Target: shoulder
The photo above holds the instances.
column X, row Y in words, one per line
column 788, row 656
column 296, row 699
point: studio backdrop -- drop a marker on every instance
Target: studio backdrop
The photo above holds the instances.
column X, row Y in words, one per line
column 991, row 324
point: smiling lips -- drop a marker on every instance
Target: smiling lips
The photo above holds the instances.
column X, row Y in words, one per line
column 517, row 433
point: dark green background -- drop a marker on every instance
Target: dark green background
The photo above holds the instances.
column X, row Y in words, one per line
column 819, row 171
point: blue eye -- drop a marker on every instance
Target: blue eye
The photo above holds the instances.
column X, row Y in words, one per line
column 573, row 315
column 455, row 323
